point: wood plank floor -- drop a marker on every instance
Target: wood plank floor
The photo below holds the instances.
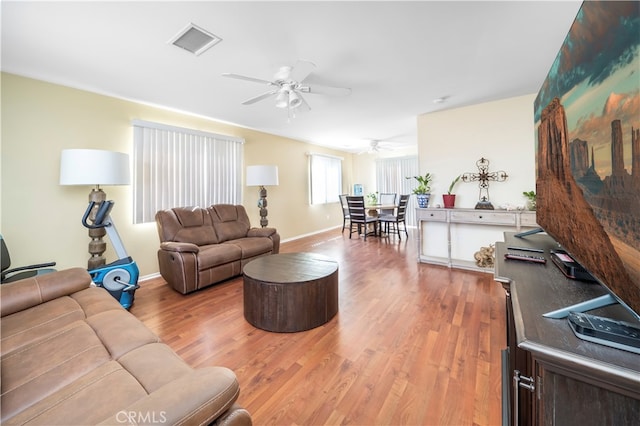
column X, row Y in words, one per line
column 412, row 344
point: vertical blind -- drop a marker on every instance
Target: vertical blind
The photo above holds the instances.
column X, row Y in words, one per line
column 325, row 177
column 391, row 176
column 177, row 167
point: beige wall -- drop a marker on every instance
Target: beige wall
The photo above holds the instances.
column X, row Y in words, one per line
column 451, row 141
column 41, row 219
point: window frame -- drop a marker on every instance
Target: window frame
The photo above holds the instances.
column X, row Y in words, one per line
column 179, row 167
column 320, row 179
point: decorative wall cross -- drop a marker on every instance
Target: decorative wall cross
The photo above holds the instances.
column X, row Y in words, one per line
column 483, row 177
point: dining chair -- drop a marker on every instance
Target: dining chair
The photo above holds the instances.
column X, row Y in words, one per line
column 392, row 222
column 358, row 216
column 345, row 210
column 387, row 198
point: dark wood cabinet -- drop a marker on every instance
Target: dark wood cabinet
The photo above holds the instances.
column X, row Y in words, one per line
column 551, row 377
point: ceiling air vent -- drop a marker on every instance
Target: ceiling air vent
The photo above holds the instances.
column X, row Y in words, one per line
column 194, row 39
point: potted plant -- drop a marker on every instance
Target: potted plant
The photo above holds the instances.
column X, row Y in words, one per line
column 449, row 198
column 372, row 198
column 531, row 199
column 423, row 190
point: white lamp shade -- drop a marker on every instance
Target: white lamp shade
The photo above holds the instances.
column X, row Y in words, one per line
column 94, row 167
column 262, row 175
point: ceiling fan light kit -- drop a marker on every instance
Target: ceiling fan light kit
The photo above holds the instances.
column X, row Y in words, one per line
column 294, row 100
column 289, row 86
column 282, row 100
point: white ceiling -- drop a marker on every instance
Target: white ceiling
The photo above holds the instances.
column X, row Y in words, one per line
column 397, row 57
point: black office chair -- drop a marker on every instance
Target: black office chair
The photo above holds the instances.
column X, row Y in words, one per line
column 15, row 274
column 394, row 221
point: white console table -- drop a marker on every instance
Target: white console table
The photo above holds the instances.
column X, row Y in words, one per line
column 451, row 236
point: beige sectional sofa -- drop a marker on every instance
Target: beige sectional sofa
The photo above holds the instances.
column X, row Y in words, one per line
column 203, row 246
column 71, row 355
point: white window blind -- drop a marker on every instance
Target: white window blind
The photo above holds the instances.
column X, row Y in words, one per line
column 391, row 176
column 177, row 167
column 325, row 178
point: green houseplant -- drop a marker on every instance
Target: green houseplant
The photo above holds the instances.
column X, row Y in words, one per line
column 449, row 199
column 531, row 199
column 423, row 190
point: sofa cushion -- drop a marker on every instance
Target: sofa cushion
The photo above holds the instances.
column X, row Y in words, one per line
column 186, row 225
column 251, row 247
column 101, row 393
column 42, row 288
column 213, row 390
column 146, row 361
column 120, row 332
column 230, row 221
column 92, row 301
column 216, row 255
column 43, row 367
column 25, row 327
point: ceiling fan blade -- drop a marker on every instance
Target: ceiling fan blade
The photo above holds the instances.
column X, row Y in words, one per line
column 304, row 106
column 259, row 97
column 243, row 77
column 325, row 90
column 301, row 70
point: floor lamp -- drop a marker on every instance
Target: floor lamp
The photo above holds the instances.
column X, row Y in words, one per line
column 94, row 167
column 262, row 176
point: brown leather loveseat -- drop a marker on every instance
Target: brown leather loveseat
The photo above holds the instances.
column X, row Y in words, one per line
column 203, row 246
column 72, row 355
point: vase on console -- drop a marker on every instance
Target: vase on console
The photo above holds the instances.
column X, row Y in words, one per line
column 423, row 200
column 449, row 200
column 423, row 189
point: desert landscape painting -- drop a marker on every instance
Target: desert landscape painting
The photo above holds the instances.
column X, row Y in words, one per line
column 587, row 117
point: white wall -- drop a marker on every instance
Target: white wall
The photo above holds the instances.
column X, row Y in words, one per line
column 450, row 143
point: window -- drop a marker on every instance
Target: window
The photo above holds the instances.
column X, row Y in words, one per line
column 391, row 176
column 177, row 167
column 325, row 178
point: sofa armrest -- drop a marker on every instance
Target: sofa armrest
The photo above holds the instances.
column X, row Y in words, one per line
column 199, row 398
column 261, row 232
column 179, row 247
column 23, row 294
column 234, row 416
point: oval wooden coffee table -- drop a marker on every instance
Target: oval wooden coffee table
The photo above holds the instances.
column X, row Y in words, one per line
column 290, row 292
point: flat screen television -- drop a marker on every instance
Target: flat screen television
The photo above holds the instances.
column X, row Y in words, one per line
column 587, row 121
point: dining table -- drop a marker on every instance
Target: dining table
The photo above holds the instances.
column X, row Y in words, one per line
column 375, row 209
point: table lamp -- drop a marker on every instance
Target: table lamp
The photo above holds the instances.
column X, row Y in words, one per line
column 262, row 176
column 94, row 167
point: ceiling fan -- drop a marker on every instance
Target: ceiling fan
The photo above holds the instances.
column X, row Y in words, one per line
column 376, row 146
column 288, row 85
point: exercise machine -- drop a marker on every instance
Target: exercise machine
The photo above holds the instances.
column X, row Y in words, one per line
column 119, row 278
